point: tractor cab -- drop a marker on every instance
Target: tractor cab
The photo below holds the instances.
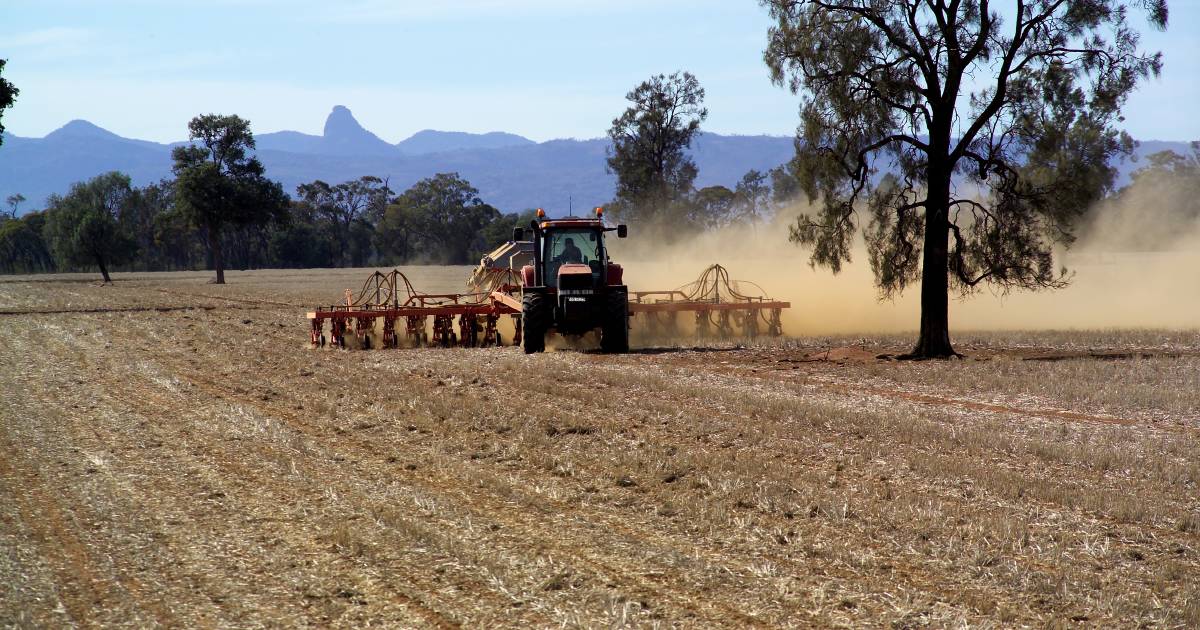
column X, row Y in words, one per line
column 572, row 286
column 569, row 253
column 574, row 257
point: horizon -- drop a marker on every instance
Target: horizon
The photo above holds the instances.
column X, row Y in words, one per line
column 318, row 132
column 474, row 66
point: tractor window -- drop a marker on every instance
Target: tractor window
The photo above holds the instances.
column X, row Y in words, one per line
column 571, row 246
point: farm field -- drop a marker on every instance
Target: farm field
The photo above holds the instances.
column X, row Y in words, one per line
column 174, row 454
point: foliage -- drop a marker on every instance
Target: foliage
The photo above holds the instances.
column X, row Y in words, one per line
column 501, row 229
column 649, row 144
column 140, row 217
column 299, row 245
column 22, row 246
column 396, row 234
column 785, row 188
column 218, row 183
column 14, row 202
column 437, row 220
column 996, row 131
column 8, row 96
column 1158, row 208
column 349, row 207
column 83, row 228
column 753, row 194
column 1174, row 180
column 180, row 244
column 713, row 207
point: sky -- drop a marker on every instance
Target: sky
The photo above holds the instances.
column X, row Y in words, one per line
column 544, row 69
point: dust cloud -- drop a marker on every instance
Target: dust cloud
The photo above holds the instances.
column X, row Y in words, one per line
column 1111, row 286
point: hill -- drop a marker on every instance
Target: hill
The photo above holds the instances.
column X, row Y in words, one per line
column 510, row 171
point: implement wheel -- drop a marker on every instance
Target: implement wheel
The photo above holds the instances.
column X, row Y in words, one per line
column 535, row 319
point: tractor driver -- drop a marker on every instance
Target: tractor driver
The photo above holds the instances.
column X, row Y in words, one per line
column 570, row 253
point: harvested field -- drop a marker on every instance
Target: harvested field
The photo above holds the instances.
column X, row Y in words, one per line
column 174, row 454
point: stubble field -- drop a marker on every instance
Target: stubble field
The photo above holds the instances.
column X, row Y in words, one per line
column 173, row 454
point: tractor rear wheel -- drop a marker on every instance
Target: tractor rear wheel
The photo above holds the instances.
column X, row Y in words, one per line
column 614, row 337
column 535, row 320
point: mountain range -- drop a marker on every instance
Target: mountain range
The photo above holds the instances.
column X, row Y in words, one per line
column 511, row 172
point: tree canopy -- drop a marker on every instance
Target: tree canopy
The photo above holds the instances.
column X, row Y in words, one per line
column 1157, row 210
column 23, row 245
column 14, row 202
column 83, row 228
column 348, row 205
column 8, row 96
column 649, row 145
column 973, row 137
column 441, row 217
column 219, row 183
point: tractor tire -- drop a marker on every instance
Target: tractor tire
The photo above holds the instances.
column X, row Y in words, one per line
column 614, row 336
column 535, row 321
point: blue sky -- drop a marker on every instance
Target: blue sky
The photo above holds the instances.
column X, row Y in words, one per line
column 541, row 68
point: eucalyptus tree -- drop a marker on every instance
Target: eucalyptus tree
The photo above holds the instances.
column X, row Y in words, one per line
column 973, row 134
column 83, row 227
column 440, row 219
column 355, row 203
column 649, row 145
column 219, row 183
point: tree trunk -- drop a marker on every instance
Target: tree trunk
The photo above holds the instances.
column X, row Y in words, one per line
column 934, row 339
column 103, row 270
column 214, row 246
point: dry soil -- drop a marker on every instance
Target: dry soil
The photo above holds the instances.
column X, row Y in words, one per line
column 173, row 453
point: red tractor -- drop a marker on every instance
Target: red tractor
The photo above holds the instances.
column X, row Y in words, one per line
column 572, row 287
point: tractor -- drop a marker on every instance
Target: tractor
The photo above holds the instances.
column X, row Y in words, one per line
column 572, row 287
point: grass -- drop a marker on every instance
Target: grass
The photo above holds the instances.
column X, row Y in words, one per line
column 187, row 468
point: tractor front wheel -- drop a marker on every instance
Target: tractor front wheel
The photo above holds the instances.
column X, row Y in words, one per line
column 614, row 338
column 535, row 320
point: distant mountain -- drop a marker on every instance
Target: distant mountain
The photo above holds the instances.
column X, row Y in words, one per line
column 289, row 142
column 79, row 132
column 430, row 141
column 511, row 172
column 38, row 167
column 343, row 135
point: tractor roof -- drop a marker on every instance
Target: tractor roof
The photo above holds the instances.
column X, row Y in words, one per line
column 571, row 222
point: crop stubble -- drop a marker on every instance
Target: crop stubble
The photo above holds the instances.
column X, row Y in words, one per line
column 197, row 464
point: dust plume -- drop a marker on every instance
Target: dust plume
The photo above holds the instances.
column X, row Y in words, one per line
column 1152, row 215
column 1111, row 287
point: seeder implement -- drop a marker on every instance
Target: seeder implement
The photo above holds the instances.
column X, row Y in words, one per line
column 388, row 312
column 718, row 304
column 467, row 319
